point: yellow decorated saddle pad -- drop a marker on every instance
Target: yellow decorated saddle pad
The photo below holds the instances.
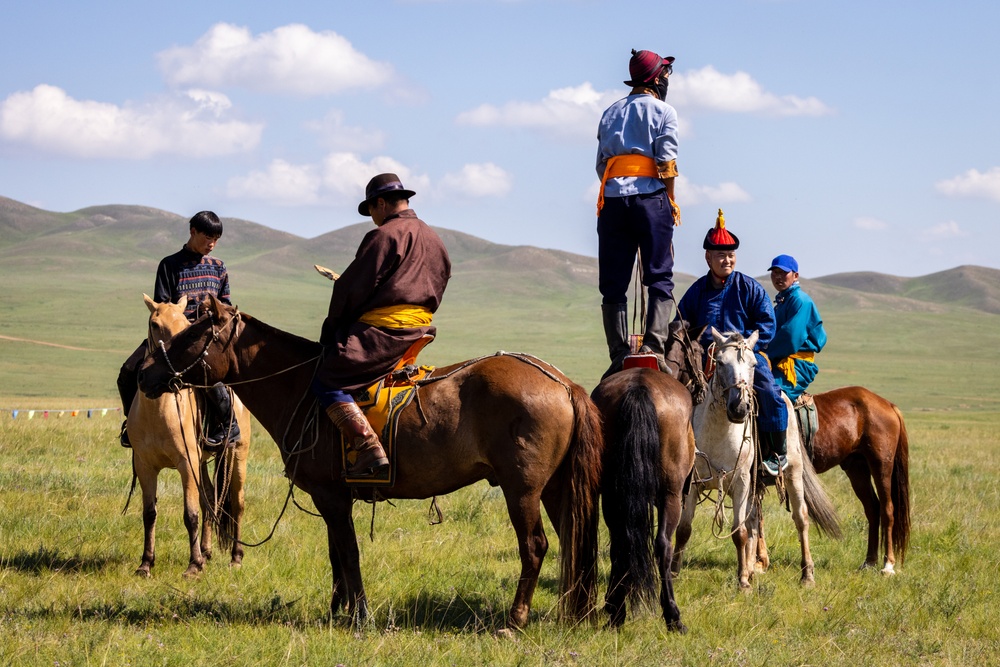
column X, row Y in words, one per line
column 382, row 404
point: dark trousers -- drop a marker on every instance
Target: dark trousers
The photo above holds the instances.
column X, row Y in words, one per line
column 643, row 223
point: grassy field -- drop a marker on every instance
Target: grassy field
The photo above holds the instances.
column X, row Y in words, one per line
column 439, row 593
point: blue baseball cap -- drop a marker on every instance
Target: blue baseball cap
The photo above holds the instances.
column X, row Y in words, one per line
column 784, row 262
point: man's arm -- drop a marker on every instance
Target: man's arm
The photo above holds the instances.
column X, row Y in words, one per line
column 165, row 287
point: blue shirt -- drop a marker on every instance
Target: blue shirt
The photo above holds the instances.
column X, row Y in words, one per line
column 637, row 124
column 741, row 305
column 799, row 326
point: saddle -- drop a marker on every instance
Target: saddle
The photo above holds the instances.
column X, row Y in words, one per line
column 382, row 403
column 808, row 418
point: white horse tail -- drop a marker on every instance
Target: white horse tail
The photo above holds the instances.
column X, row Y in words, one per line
column 821, row 510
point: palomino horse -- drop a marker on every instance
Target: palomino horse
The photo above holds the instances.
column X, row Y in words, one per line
column 648, row 458
column 726, row 436
column 509, row 419
column 164, row 433
column 865, row 435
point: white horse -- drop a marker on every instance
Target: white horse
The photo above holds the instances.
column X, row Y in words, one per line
column 725, row 433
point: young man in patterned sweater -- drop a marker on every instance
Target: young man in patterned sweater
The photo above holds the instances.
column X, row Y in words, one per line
column 194, row 273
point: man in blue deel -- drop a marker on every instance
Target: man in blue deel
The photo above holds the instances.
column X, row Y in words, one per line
column 799, row 334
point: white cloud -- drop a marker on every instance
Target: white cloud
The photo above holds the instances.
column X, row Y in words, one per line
column 870, row 224
column 281, row 183
column 338, row 180
column 289, row 59
column 943, row 231
column 337, row 136
column 571, row 111
column 191, row 125
column 972, row 183
column 476, row 180
column 707, row 88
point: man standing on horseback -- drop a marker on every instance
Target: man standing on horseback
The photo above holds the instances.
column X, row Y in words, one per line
column 799, row 334
column 382, row 303
column 732, row 301
column 194, row 273
column 637, row 165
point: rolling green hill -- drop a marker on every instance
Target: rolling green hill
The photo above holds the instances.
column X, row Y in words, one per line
column 76, row 280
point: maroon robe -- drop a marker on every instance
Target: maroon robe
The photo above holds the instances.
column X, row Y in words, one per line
column 403, row 262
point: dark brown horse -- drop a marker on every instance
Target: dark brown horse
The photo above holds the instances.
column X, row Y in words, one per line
column 865, row 435
column 648, row 458
column 512, row 420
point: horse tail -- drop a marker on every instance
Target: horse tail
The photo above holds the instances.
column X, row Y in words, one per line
column 820, row 507
column 632, row 480
column 900, row 492
column 223, row 515
column 580, row 478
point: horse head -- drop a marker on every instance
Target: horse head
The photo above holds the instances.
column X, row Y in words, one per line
column 734, row 364
column 198, row 355
column 683, row 357
column 165, row 320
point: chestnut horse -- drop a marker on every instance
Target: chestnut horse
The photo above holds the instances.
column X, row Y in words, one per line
column 165, row 434
column 510, row 419
column 648, row 458
column 865, row 435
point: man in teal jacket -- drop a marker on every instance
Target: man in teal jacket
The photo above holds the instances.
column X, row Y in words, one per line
column 799, row 333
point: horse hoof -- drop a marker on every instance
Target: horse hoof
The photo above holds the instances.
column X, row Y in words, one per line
column 236, row 565
column 143, row 572
column 193, row 572
column 889, row 570
column 677, row 626
column 504, row 633
column 807, row 582
column 745, row 587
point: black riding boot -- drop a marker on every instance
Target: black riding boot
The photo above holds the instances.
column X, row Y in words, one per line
column 224, row 425
column 773, row 459
column 659, row 313
column 616, row 331
column 128, row 387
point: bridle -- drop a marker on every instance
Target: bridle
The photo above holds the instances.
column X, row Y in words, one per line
column 696, row 377
column 176, row 381
column 744, row 386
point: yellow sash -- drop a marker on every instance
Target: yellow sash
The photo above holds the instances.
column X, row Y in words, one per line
column 787, row 365
column 633, row 164
column 398, row 317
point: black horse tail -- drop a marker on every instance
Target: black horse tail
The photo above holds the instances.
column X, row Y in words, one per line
column 579, row 477
column 224, row 515
column 632, row 481
column 820, row 507
column 900, row 492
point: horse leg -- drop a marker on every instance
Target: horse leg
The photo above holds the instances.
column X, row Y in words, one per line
column 739, row 492
column 763, row 557
column 800, row 515
column 525, row 515
column 669, row 516
column 237, row 501
column 860, row 477
column 147, row 483
column 190, row 482
column 206, row 498
column 618, row 578
column 345, row 560
column 882, row 476
column 683, row 532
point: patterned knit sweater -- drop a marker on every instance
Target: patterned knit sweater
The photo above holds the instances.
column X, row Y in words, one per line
column 188, row 273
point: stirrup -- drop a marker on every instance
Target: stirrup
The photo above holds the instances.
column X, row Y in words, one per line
column 123, row 436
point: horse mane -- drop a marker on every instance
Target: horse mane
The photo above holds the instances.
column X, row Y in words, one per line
column 270, row 332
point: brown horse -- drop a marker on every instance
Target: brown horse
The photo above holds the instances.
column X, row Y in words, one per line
column 510, row 419
column 865, row 435
column 648, row 458
column 164, row 433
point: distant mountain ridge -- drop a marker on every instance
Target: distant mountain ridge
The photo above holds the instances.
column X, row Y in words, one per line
column 134, row 238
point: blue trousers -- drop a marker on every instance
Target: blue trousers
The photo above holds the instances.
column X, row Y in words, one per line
column 643, row 223
column 772, row 415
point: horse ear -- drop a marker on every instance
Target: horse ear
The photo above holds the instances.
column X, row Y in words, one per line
column 752, row 340
column 698, row 333
column 183, row 301
column 717, row 337
column 149, row 302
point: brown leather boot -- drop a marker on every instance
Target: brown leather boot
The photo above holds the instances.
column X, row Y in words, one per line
column 371, row 460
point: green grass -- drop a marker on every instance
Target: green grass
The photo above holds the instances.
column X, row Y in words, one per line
column 439, row 593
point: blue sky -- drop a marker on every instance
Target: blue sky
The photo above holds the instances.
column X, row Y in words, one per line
column 857, row 136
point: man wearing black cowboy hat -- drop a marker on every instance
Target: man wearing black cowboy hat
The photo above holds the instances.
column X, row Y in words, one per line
column 732, row 301
column 637, row 164
column 382, row 302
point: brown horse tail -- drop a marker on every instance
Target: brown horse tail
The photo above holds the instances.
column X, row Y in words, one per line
column 580, row 479
column 900, row 492
column 223, row 516
column 818, row 503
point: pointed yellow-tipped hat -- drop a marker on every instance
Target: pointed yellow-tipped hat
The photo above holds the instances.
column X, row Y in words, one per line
column 720, row 238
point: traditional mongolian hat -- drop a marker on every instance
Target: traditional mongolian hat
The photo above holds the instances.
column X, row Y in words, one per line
column 645, row 66
column 382, row 185
column 719, row 238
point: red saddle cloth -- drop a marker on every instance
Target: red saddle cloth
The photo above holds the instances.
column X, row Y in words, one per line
column 640, row 361
column 382, row 404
